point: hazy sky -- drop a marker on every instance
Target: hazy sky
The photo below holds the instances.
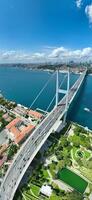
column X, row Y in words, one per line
column 45, row 29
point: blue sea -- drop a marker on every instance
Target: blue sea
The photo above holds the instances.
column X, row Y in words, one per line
column 23, row 85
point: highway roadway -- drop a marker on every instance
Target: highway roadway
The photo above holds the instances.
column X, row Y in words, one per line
column 32, row 145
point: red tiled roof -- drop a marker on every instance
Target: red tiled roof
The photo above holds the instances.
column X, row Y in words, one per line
column 17, row 133
column 23, row 133
column 13, row 123
column 35, row 114
column 27, row 129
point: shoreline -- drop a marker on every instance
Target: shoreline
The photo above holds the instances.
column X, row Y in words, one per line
column 86, row 128
column 21, row 105
column 42, row 69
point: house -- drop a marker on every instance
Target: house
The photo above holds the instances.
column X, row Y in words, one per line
column 20, row 110
column 35, row 114
column 6, row 117
column 19, row 130
column 46, row 190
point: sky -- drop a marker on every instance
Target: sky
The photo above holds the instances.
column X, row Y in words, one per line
column 45, row 30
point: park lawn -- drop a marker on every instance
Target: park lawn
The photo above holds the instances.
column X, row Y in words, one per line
column 55, row 197
column 74, row 149
column 26, row 196
column 87, row 154
column 86, row 172
column 35, row 189
column 46, row 175
column 52, row 168
column 29, row 197
column 73, row 180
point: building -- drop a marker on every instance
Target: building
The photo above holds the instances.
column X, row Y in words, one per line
column 46, row 190
column 2, row 161
column 35, row 114
column 19, row 130
column 3, row 148
column 20, row 110
column 90, row 196
column 6, row 117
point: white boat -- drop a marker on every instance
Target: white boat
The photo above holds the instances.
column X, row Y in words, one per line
column 87, row 109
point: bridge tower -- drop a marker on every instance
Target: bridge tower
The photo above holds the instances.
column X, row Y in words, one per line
column 62, row 91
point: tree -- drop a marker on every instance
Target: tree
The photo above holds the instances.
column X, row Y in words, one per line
column 12, row 150
column 64, row 142
column 73, row 196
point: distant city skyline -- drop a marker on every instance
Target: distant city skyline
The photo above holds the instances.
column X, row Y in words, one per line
column 45, row 30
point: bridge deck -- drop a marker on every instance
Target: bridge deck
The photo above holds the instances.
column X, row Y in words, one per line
column 33, row 144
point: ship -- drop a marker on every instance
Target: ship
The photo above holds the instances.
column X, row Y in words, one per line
column 87, row 110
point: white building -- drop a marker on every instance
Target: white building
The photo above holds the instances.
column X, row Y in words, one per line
column 46, row 190
column 90, row 197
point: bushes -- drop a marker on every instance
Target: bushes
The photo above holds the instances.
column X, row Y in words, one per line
column 80, row 140
column 12, row 150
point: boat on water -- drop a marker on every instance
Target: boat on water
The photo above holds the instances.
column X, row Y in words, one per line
column 87, row 110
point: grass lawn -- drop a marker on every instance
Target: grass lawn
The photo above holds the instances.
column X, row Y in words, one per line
column 73, row 180
column 86, row 172
column 35, row 189
column 46, row 175
column 29, row 197
column 55, row 197
column 52, row 168
column 86, row 154
column 74, row 149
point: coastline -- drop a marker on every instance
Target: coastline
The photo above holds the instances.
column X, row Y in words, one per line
column 38, row 67
column 86, row 128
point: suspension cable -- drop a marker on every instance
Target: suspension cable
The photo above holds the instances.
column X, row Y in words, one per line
column 42, row 90
column 51, row 103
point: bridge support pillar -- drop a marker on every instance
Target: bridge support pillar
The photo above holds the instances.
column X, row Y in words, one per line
column 58, row 90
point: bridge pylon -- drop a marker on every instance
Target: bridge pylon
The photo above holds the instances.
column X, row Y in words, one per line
column 62, row 91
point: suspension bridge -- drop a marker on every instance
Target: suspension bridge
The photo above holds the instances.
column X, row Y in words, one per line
column 32, row 145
